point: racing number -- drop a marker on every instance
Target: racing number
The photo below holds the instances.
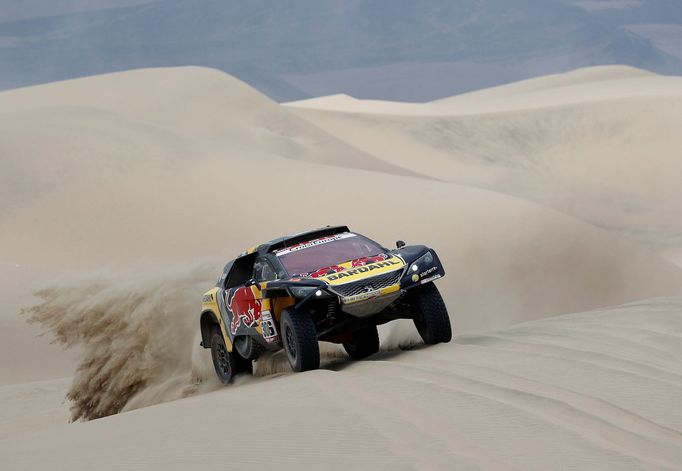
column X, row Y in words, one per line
column 268, row 326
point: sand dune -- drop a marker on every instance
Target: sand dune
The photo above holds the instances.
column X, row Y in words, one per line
column 27, row 407
column 121, row 196
column 598, row 150
column 153, row 121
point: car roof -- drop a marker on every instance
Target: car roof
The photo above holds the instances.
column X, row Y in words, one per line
column 294, row 239
column 287, row 241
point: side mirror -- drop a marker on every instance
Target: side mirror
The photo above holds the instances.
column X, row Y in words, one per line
column 400, row 244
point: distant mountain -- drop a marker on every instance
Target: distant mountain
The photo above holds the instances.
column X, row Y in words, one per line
column 12, row 10
column 291, row 49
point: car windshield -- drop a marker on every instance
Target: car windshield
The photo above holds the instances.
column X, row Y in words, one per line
column 305, row 258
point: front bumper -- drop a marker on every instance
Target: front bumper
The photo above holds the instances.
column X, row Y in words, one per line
column 370, row 295
column 371, row 306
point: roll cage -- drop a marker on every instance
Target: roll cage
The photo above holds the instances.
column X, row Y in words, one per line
column 253, row 266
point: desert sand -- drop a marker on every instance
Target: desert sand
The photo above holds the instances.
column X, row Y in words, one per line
column 554, row 204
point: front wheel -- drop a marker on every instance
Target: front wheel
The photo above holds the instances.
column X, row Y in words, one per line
column 300, row 340
column 365, row 342
column 224, row 362
column 431, row 319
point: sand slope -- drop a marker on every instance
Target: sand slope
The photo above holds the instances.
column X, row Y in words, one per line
column 590, row 390
column 121, row 195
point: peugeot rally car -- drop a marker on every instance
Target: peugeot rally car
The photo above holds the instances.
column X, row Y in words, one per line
column 329, row 285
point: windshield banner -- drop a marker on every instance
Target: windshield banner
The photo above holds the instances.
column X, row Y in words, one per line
column 313, row 243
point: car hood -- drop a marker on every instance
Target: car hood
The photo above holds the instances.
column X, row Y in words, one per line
column 359, row 269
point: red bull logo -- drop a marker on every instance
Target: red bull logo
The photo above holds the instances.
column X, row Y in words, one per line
column 326, row 271
column 361, row 262
column 244, row 307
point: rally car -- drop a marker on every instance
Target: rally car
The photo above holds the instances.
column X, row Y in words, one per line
column 329, row 285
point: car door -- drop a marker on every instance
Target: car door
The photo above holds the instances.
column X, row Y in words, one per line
column 264, row 272
column 246, row 303
column 240, row 303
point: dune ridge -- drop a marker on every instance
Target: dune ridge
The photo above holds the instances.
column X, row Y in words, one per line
column 594, row 144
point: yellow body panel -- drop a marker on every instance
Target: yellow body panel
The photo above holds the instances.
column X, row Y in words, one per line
column 351, row 274
column 280, row 304
column 210, row 303
column 274, row 305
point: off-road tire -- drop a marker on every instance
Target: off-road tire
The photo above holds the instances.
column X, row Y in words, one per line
column 250, row 349
column 225, row 363
column 365, row 342
column 300, row 340
column 431, row 319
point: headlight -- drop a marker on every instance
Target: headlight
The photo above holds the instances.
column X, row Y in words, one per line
column 422, row 262
column 303, row 291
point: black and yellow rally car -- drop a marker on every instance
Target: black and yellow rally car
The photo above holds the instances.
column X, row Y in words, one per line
column 329, row 285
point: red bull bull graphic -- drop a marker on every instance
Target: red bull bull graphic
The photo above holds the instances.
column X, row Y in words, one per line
column 243, row 306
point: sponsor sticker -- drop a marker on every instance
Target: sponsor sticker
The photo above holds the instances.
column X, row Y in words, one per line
column 430, row 270
column 359, row 262
column 269, row 328
column 381, row 266
column 426, row 280
column 362, row 297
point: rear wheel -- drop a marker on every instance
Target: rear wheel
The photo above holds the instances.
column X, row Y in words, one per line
column 247, row 347
column 365, row 342
column 300, row 340
column 224, row 362
column 431, row 319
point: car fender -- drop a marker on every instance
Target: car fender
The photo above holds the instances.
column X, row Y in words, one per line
column 210, row 316
column 425, row 273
